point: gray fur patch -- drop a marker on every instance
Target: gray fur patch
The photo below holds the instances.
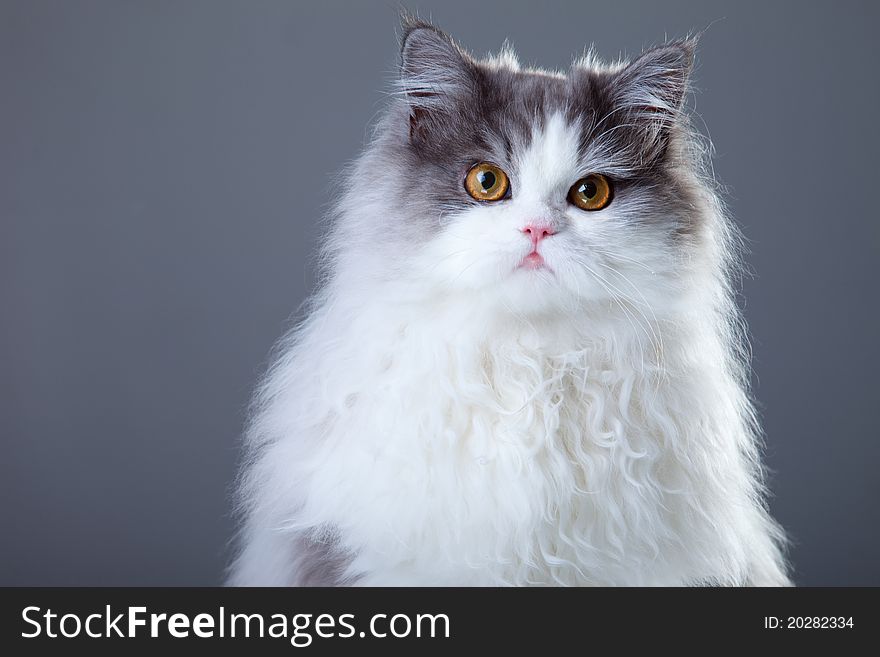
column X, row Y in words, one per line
column 319, row 563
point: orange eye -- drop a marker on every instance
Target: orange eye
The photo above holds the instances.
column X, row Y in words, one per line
column 591, row 193
column 486, row 182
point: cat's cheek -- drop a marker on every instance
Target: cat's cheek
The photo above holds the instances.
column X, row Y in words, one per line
column 473, row 256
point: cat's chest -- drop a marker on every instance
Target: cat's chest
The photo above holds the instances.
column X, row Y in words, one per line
column 477, row 409
column 522, row 442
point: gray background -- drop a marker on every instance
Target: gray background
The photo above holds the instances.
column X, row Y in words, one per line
column 163, row 166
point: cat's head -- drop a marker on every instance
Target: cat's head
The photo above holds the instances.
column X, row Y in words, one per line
column 541, row 191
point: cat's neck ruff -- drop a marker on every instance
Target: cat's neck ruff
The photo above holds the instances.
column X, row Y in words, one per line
column 607, row 333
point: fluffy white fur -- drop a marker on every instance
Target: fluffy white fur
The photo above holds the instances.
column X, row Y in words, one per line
column 444, row 418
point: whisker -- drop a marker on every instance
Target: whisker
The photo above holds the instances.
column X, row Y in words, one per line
column 618, row 297
column 656, row 328
column 620, row 256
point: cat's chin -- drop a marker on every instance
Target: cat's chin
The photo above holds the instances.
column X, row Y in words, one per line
column 533, row 290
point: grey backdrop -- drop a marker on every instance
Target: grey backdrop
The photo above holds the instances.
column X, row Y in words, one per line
column 162, row 169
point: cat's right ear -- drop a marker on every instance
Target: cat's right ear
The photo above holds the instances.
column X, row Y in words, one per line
column 435, row 75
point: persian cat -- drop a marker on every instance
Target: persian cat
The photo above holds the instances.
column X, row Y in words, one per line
column 524, row 364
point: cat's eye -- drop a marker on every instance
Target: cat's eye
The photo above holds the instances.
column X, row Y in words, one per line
column 591, row 193
column 486, row 182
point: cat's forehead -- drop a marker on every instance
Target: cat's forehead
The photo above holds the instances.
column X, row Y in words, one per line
column 521, row 110
column 508, row 91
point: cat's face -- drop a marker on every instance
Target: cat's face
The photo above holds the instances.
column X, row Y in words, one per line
column 541, row 191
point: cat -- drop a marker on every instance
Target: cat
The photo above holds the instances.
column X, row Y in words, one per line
column 524, row 364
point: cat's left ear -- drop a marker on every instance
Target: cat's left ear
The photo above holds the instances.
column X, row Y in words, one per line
column 435, row 76
column 650, row 91
column 657, row 80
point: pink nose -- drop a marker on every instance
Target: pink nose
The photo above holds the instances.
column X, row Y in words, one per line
column 538, row 231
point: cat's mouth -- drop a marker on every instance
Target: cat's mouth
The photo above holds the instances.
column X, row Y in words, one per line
column 534, row 261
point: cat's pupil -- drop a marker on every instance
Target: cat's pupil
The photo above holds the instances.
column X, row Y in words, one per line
column 589, row 189
column 487, row 180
